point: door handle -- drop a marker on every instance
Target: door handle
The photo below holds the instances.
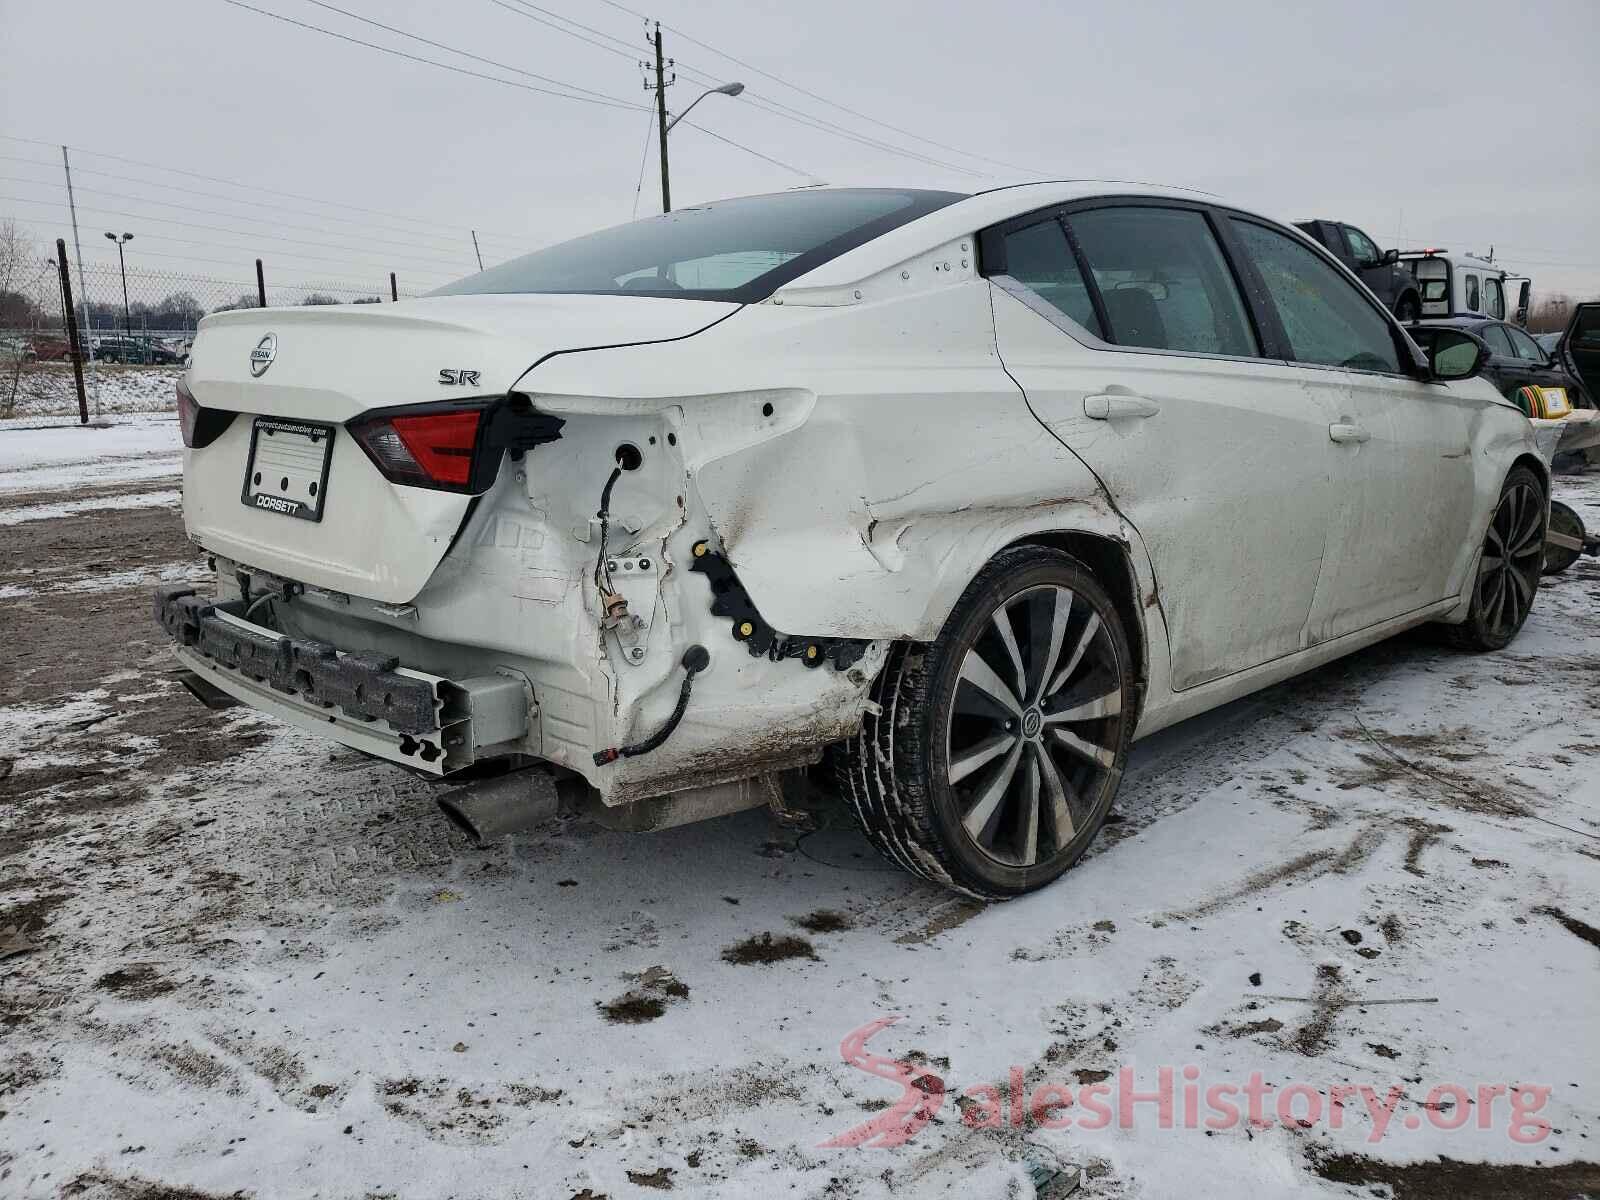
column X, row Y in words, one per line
column 1105, row 407
column 1347, row 431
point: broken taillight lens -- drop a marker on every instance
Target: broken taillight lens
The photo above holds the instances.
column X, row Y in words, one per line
column 422, row 448
column 199, row 426
column 188, row 412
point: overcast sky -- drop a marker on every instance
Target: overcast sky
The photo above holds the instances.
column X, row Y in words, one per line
column 1461, row 124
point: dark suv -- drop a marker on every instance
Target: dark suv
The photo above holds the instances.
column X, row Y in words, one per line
column 1380, row 270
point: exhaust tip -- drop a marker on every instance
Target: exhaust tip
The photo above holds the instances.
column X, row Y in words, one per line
column 459, row 819
column 510, row 803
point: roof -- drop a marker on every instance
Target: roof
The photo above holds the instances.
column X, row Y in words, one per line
column 965, row 217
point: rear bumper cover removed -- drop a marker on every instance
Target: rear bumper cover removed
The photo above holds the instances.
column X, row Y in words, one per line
column 369, row 702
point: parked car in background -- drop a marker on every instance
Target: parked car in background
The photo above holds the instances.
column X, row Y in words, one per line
column 119, row 350
column 1515, row 359
column 51, row 349
column 962, row 491
column 1464, row 285
column 135, row 350
column 1380, row 270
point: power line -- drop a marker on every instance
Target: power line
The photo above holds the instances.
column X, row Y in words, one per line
column 440, row 265
column 211, row 212
column 344, row 37
column 776, row 108
column 823, row 99
column 187, row 190
column 111, row 264
column 644, row 157
column 626, row 53
column 465, row 54
column 245, row 186
column 480, row 75
column 774, row 161
column 56, row 204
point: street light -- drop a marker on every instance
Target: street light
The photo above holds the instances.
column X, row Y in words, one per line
column 727, row 89
column 127, row 319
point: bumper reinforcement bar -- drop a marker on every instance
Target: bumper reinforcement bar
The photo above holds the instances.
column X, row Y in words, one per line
column 368, row 702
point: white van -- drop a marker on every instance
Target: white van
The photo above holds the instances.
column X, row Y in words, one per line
column 1463, row 285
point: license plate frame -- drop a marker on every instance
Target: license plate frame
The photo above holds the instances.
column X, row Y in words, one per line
column 295, row 484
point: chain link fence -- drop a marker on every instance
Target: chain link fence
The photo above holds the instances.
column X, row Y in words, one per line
column 130, row 324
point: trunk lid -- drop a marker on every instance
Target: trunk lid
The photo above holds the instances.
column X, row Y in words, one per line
column 375, row 538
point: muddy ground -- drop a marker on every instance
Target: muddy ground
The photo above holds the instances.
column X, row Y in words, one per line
column 238, row 960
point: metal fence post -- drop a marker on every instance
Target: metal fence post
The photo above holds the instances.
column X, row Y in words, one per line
column 261, row 284
column 394, row 289
column 72, row 330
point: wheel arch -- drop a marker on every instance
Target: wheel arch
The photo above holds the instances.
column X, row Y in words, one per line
column 1111, row 562
column 1535, row 464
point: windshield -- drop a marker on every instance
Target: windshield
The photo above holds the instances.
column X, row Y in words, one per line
column 738, row 250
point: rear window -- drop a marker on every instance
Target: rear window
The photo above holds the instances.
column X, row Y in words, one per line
column 739, row 250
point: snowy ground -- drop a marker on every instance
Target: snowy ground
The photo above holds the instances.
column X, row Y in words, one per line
column 48, row 389
column 262, row 965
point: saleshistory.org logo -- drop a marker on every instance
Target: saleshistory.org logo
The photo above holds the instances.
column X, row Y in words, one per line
column 261, row 357
column 1173, row 1104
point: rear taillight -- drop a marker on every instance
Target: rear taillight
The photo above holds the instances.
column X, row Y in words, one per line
column 421, row 448
column 188, row 412
column 457, row 446
column 199, row 426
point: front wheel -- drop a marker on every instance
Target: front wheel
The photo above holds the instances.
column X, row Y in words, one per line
column 998, row 748
column 1509, row 567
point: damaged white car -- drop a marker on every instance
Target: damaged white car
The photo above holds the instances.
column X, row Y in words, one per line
column 963, row 493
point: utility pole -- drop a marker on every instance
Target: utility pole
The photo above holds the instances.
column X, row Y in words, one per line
column 83, row 286
column 661, row 119
column 475, row 249
column 72, row 329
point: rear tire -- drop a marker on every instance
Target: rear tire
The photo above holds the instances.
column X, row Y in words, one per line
column 1509, row 567
column 998, row 748
column 1406, row 309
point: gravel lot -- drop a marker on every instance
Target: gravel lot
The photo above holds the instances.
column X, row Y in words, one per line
column 237, row 960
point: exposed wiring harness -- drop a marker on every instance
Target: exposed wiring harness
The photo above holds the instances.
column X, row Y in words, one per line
column 602, row 574
column 695, row 659
column 251, row 604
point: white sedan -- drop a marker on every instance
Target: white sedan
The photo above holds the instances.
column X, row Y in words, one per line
column 961, row 493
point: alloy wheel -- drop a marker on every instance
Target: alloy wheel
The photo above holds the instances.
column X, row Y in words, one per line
column 1034, row 726
column 1513, row 554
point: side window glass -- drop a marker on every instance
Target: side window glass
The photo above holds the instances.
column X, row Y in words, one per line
column 1163, row 280
column 1361, row 247
column 1495, row 335
column 1472, row 293
column 1524, row 345
column 1040, row 258
column 1326, row 319
column 1494, row 299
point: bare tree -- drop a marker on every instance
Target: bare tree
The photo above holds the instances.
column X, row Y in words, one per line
column 18, row 259
column 1550, row 314
column 20, row 264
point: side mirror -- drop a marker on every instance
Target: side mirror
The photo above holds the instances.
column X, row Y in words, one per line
column 1390, row 257
column 1455, row 354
